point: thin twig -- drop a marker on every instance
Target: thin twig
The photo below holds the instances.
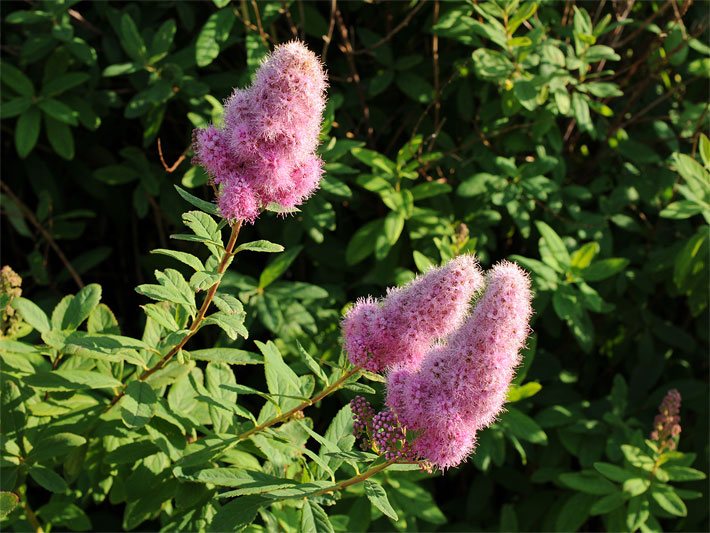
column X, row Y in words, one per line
column 262, row 33
column 32, row 517
column 170, row 169
column 355, row 479
column 394, row 31
column 331, row 26
column 435, row 60
column 347, row 49
column 29, row 215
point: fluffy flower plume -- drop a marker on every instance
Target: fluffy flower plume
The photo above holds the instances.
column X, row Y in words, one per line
column 448, row 370
column 402, row 327
column 266, row 150
column 666, row 424
column 460, row 386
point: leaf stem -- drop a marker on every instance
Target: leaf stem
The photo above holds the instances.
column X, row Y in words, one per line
column 355, row 479
column 300, row 407
column 197, row 321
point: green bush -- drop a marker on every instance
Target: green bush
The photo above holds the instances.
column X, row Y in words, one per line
column 568, row 138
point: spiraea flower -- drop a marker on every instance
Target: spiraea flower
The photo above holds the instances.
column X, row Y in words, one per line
column 460, row 386
column 363, row 413
column 266, row 151
column 10, row 288
column 666, row 424
column 401, row 328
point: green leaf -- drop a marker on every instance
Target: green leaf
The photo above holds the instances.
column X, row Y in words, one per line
column 682, row 209
column 259, row 246
column 574, row 512
column 217, row 375
column 613, row 472
column 27, row 131
column 587, row 481
column 67, row 380
column 131, row 39
column 607, row 504
column 55, row 446
column 683, row 473
column 48, row 479
column 376, row 494
column 524, row 427
column 231, row 356
column 635, row 486
column 231, row 324
column 362, row 243
column 189, row 259
column 582, row 257
column 604, row 268
column 374, row 159
column 637, row 513
column 278, row 266
column 162, row 40
column 668, row 500
column 207, row 207
column 311, row 363
column 314, row 519
column 60, row 137
column 63, row 83
column 8, row 501
column 16, row 80
column 237, row 514
column 15, row 107
column 32, row 314
column 81, row 306
column 555, row 252
column 59, row 111
column 138, row 405
column 172, row 288
column 280, row 379
column 204, row 226
column 517, row 393
column 215, row 32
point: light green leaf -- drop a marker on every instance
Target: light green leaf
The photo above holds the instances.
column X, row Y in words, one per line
column 138, row 405
column 207, row 207
column 81, row 306
column 555, row 252
column 376, row 494
column 280, row 379
column 314, row 519
column 604, row 268
column 259, row 246
column 67, row 380
column 215, row 32
column 189, row 259
column 48, row 479
column 8, row 501
column 32, row 314
column 669, row 501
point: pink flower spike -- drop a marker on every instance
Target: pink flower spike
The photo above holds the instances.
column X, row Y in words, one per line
column 410, row 319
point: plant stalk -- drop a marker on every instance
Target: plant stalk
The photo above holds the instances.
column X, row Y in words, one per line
column 197, row 321
column 300, row 407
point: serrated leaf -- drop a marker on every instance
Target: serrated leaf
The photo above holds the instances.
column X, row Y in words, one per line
column 314, row 519
column 204, row 226
column 377, row 495
column 207, row 207
column 259, row 246
column 67, row 380
column 280, row 379
column 31, row 313
column 138, row 405
column 189, row 259
column 311, row 363
column 231, row 324
column 237, row 514
column 8, row 502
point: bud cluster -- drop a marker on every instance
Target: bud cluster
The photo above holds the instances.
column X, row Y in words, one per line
column 666, row 424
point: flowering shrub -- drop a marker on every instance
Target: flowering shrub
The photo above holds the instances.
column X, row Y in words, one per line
column 366, row 373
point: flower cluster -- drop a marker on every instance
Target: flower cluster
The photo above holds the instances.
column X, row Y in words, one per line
column 265, row 152
column 447, row 391
column 402, row 327
column 666, row 424
column 10, row 288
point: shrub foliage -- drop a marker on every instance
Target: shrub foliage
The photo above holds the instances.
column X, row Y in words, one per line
column 568, row 137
